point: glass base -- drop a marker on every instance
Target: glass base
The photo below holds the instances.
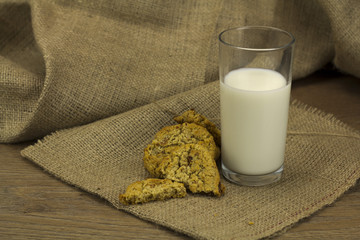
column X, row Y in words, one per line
column 251, row 180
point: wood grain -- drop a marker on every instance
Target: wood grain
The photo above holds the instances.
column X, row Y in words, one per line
column 35, row 205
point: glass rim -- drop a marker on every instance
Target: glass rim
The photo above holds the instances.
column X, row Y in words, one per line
column 290, row 43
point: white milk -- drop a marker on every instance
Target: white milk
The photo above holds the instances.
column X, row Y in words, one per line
column 254, row 114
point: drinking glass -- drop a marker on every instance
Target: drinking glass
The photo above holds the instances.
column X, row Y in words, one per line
column 255, row 65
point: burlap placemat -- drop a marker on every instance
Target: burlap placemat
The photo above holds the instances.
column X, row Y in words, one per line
column 322, row 162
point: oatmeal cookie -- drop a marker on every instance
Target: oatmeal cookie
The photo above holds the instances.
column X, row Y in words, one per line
column 191, row 116
column 152, row 190
column 173, row 136
column 191, row 164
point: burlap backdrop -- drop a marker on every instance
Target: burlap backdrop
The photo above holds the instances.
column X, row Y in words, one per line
column 66, row 63
column 70, row 63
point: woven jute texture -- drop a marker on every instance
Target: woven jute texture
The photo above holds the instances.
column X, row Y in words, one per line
column 65, row 63
column 96, row 79
column 322, row 161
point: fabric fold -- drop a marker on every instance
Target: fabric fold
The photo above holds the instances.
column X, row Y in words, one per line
column 70, row 63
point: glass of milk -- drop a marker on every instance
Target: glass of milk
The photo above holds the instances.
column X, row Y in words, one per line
column 255, row 80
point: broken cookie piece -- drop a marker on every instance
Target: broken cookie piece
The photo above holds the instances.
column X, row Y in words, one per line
column 152, row 190
column 191, row 116
column 176, row 135
column 191, row 164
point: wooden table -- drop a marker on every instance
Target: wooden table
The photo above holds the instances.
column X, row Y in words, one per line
column 35, row 205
